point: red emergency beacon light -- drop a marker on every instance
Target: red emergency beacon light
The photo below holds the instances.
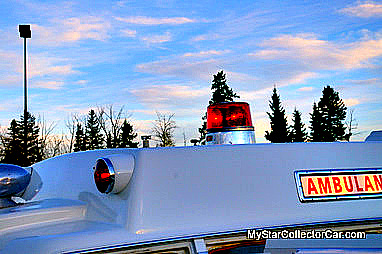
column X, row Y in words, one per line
column 229, row 123
column 113, row 173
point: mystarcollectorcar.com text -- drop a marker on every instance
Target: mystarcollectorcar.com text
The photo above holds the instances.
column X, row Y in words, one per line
column 303, row 234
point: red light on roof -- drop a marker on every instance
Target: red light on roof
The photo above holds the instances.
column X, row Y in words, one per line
column 228, row 115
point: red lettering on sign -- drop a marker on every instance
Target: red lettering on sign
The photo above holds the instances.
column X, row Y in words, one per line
column 378, row 183
column 336, row 184
column 324, row 189
column 350, row 182
column 368, row 184
column 311, row 186
column 356, row 184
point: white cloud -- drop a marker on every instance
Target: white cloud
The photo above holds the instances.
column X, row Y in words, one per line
column 182, row 68
column 153, row 39
column 42, row 65
column 129, row 33
column 351, row 102
column 206, row 53
column 70, row 30
column 82, row 82
column 261, row 125
column 141, row 20
column 364, row 10
column 298, row 78
column 54, row 85
column 305, row 89
column 39, row 65
column 370, row 81
column 167, row 94
column 254, row 95
column 313, row 53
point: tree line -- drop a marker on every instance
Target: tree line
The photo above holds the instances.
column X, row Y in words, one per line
column 100, row 128
column 104, row 127
column 327, row 121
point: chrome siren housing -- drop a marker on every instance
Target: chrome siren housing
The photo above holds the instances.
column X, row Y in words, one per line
column 13, row 180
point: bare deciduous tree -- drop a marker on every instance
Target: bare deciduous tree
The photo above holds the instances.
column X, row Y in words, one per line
column 71, row 125
column 3, row 134
column 46, row 130
column 163, row 129
column 111, row 124
column 351, row 125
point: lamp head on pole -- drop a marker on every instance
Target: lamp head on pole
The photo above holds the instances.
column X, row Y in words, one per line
column 25, row 31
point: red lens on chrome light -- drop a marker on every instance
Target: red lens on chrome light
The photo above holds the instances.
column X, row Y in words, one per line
column 104, row 175
column 228, row 114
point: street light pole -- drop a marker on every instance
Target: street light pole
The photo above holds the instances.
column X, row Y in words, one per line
column 25, row 32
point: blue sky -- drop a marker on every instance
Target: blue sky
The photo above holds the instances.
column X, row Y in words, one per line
column 160, row 56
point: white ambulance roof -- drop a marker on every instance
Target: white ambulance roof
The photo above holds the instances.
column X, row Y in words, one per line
column 182, row 192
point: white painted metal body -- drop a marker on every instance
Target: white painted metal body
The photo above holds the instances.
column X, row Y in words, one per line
column 181, row 192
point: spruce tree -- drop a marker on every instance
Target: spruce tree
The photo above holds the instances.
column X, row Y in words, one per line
column 13, row 146
column 93, row 132
column 127, row 136
column 333, row 111
column 80, row 143
column 279, row 127
column 15, row 142
column 221, row 92
column 298, row 131
column 316, row 125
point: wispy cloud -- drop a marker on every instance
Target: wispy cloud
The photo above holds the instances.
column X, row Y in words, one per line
column 305, row 89
column 42, row 65
column 82, row 82
column 129, row 33
column 53, row 85
column 364, row 10
column 314, row 53
column 297, row 78
column 154, row 39
column 150, row 21
column 181, row 67
column 351, row 102
column 370, row 81
column 70, row 30
column 169, row 94
column 206, row 53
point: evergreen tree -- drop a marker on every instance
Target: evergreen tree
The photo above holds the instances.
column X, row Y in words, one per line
column 298, row 131
column 316, row 125
column 221, row 92
column 80, row 143
column 34, row 150
column 279, row 126
column 13, row 146
column 127, row 136
column 333, row 111
column 14, row 151
column 93, row 132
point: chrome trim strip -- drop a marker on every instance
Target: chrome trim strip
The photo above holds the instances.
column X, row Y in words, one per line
column 326, row 172
column 238, row 128
column 231, row 137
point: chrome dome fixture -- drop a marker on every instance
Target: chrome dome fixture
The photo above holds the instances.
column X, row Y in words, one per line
column 16, row 181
